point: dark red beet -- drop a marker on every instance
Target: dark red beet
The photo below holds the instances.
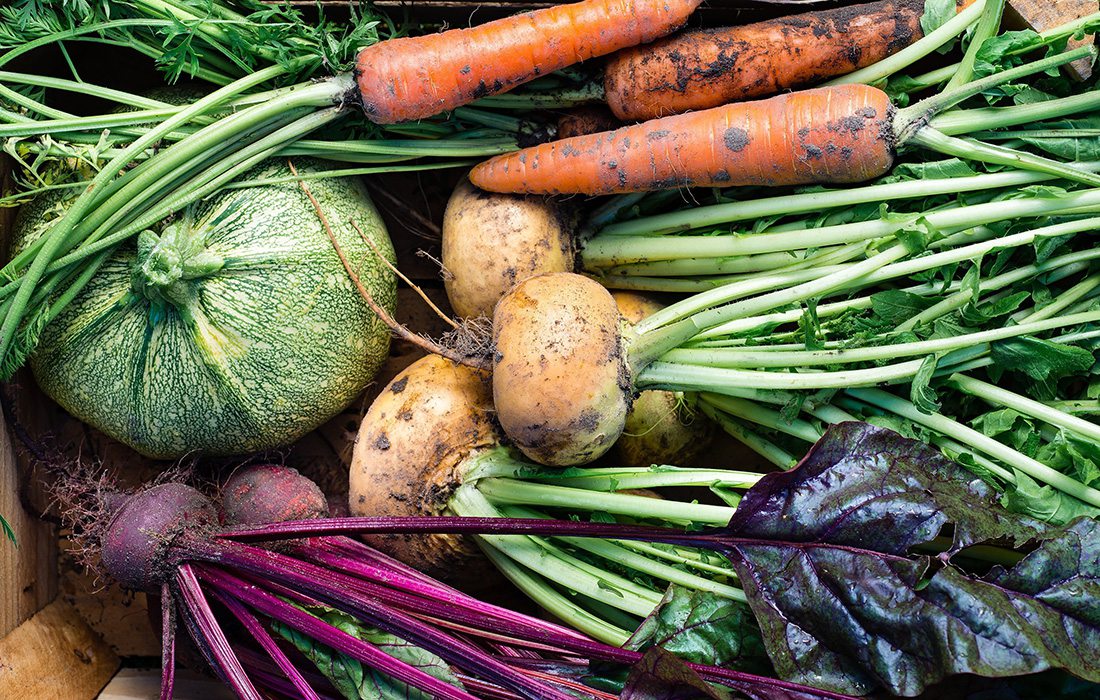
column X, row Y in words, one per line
column 269, row 493
column 136, row 544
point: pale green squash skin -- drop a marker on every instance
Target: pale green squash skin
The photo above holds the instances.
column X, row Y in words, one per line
column 268, row 342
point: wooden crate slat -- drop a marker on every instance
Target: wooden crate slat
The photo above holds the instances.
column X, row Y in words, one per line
column 54, row 656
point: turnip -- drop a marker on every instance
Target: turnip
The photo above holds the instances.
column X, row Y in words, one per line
column 492, row 241
column 428, row 446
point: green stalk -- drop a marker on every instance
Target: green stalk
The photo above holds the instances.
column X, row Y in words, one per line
column 589, row 93
column 514, row 492
column 83, row 205
column 664, row 375
column 972, row 121
column 960, row 298
column 941, row 36
column 732, row 358
column 986, row 28
column 968, row 436
column 546, row 597
column 1029, row 407
column 1066, row 299
column 939, row 75
column 502, row 462
column 623, row 556
column 94, row 28
column 929, row 138
column 754, row 413
column 553, row 563
column 201, row 185
column 913, row 118
column 688, row 558
column 717, row 214
column 351, row 150
column 347, row 172
column 610, row 251
column 757, row 443
column 106, row 93
column 102, row 121
column 702, row 307
column 1089, row 406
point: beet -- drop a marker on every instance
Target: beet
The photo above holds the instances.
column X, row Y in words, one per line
column 140, row 534
column 271, row 493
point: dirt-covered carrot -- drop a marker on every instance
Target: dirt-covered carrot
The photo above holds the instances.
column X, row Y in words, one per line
column 586, row 119
column 415, row 77
column 836, row 134
column 710, row 67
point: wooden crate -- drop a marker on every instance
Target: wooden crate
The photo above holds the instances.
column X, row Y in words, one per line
column 62, row 632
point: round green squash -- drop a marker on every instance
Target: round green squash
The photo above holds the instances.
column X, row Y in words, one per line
column 233, row 328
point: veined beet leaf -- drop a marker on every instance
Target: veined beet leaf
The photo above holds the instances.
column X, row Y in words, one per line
column 351, row 678
column 825, row 555
column 706, row 628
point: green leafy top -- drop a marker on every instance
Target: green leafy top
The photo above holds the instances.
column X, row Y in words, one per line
column 215, row 40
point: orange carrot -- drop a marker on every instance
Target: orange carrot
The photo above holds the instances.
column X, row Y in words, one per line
column 834, row 134
column 415, row 77
column 837, row 134
column 706, row 68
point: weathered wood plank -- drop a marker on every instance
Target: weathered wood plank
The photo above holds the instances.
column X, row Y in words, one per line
column 54, row 656
column 142, row 684
column 1041, row 15
column 28, row 574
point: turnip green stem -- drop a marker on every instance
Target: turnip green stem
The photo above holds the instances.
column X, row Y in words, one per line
column 747, row 410
column 1067, row 298
column 986, row 28
column 503, row 462
column 757, row 443
column 939, row 75
column 608, row 251
column 1026, row 406
column 912, row 119
column 512, row 491
column 552, row 601
column 939, row 37
column 553, row 563
column 665, row 375
column 685, row 557
column 632, row 560
column 809, row 358
column 716, row 214
column 707, row 302
column 968, row 436
column 971, row 121
column 931, row 139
